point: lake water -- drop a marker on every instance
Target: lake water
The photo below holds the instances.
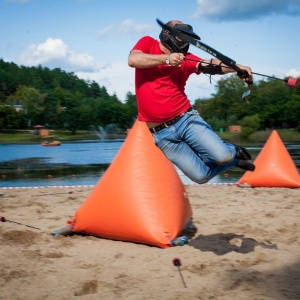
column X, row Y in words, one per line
column 81, row 163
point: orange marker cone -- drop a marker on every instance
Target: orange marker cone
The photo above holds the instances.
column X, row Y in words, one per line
column 140, row 197
column 274, row 166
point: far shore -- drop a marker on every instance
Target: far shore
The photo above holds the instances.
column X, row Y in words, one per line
column 27, row 136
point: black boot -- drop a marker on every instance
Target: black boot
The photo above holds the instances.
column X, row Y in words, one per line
column 245, row 165
column 242, row 153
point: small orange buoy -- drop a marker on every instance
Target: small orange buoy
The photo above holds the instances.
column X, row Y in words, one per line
column 274, row 166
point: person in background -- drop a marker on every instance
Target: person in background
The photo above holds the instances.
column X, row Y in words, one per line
column 162, row 69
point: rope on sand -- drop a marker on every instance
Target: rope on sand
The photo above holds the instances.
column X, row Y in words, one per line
column 47, row 186
column 84, row 186
column 213, row 183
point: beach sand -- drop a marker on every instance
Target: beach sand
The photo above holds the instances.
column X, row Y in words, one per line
column 247, row 246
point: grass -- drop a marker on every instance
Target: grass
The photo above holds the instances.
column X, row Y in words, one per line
column 19, row 138
column 26, row 136
column 287, row 135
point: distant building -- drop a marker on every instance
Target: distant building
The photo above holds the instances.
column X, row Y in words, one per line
column 234, row 128
column 17, row 104
column 40, row 130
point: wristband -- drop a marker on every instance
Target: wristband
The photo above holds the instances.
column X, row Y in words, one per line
column 168, row 59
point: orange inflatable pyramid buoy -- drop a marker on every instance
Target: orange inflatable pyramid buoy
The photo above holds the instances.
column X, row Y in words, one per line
column 140, row 197
column 274, row 166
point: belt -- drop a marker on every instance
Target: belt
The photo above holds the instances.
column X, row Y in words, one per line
column 168, row 123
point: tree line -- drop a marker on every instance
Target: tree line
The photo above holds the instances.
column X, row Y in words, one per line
column 271, row 105
column 60, row 100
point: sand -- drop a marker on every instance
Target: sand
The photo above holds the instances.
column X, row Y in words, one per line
column 246, row 247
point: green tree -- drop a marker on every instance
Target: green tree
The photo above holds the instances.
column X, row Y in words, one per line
column 32, row 103
column 227, row 101
column 76, row 118
column 57, row 98
column 131, row 104
column 271, row 102
column 95, row 90
column 9, row 117
column 52, row 110
column 249, row 125
column 252, row 122
column 293, row 110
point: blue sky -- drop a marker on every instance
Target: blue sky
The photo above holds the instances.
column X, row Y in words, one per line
column 92, row 38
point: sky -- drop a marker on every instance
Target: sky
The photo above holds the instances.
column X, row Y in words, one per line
column 93, row 38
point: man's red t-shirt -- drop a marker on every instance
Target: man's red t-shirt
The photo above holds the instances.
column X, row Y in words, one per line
column 160, row 90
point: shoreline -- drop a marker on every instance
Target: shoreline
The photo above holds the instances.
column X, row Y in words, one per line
column 260, row 137
column 65, row 141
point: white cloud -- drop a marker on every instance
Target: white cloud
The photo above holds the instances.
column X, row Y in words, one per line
column 293, row 73
column 117, row 77
column 44, row 52
column 55, row 53
column 245, row 10
column 199, row 87
column 81, row 60
column 127, row 27
column 105, row 31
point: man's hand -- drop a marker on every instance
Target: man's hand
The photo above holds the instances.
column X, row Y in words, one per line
column 176, row 59
column 246, row 75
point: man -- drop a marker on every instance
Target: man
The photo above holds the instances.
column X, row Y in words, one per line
column 162, row 70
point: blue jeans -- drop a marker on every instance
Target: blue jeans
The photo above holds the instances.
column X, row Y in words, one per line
column 195, row 148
